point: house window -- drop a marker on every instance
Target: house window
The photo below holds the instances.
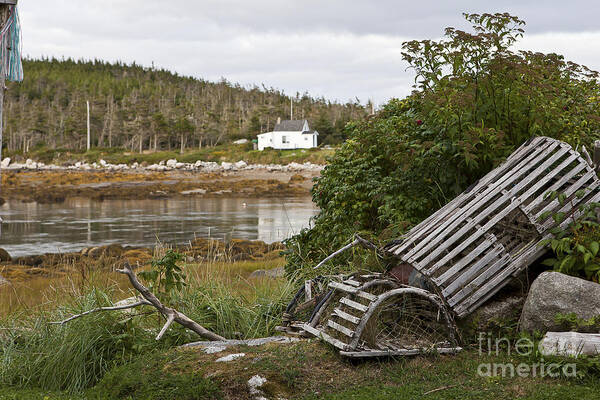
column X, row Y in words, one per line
column 305, row 137
column 284, row 139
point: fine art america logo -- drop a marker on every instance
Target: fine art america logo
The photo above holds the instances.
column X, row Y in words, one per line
column 522, row 347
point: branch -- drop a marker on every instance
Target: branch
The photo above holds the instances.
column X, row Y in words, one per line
column 169, row 313
column 123, row 307
column 170, row 320
column 363, row 242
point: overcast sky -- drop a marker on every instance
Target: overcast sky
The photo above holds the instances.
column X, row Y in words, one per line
column 339, row 49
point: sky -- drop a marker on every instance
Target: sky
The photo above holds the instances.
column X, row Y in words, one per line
column 336, row 49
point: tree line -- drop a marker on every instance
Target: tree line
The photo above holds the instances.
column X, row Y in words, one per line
column 140, row 108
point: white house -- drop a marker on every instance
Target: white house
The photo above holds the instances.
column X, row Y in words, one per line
column 289, row 134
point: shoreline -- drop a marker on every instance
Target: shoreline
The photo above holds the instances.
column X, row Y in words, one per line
column 37, row 182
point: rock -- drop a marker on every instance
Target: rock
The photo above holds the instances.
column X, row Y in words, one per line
column 230, row 357
column 240, row 164
column 193, row 191
column 254, row 384
column 171, row 163
column 226, row 165
column 571, row 344
column 5, row 163
column 554, row 293
column 276, row 272
column 493, row 314
column 95, row 252
column 240, row 141
column 179, row 165
column 103, row 163
column 259, row 273
column 4, row 256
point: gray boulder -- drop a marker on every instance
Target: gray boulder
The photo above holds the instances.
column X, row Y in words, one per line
column 554, row 293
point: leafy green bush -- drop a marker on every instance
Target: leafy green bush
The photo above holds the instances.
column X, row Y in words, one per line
column 575, row 247
column 475, row 101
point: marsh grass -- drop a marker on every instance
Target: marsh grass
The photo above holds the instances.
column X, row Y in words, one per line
column 76, row 355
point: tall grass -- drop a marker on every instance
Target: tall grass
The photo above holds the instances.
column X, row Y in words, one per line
column 76, row 355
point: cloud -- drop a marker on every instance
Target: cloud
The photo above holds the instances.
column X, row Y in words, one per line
column 331, row 48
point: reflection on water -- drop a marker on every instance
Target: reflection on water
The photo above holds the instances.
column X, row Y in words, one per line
column 31, row 228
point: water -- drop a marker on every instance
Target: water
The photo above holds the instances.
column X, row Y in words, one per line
column 31, row 228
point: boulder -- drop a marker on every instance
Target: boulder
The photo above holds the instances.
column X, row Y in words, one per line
column 4, row 256
column 226, row 165
column 171, row 163
column 5, row 163
column 554, row 293
column 241, row 164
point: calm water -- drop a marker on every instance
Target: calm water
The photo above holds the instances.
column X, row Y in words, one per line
column 31, row 228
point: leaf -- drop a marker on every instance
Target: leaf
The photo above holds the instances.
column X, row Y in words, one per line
column 594, row 247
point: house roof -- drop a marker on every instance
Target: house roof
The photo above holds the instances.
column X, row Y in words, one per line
column 290, row 125
column 310, row 132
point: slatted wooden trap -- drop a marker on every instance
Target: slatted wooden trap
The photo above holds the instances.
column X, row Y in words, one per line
column 473, row 246
column 466, row 251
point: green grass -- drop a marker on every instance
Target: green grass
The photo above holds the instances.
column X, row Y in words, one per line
column 74, row 356
column 228, row 153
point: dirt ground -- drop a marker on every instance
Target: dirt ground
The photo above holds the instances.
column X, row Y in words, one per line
column 56, row 186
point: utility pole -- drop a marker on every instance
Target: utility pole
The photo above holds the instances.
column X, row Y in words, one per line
column 88, row 125
column 291, row 108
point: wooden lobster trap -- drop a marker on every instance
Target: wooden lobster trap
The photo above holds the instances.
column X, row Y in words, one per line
column 465, row 252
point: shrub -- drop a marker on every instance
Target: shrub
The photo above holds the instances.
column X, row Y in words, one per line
column 475, row 101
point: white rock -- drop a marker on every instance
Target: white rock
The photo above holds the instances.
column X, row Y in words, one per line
column 171, row 163
column 226, row 166
column 241, row 164
column 240, row 141
column 179, row 165
column 193, row 191
column 103, row 163
column 5, row 163
column 231, row 357
column 77, row 164
column 571, row 344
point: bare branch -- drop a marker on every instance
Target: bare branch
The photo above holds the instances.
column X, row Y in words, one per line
column 123, row 307
column 357, row 241
column 166, row 311
column 170, row 320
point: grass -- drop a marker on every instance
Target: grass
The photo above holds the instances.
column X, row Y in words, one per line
column 227, row 152
column 113, row 355
column 310, row 370
column 76, row 355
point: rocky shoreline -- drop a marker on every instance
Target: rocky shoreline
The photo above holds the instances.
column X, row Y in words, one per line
column 165, row 165
column 106, row 257
column 37, row 182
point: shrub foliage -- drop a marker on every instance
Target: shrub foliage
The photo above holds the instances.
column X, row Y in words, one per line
column 475, row 100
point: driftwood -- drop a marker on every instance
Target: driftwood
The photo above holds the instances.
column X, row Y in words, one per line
column 357, row 241
column 150, row 299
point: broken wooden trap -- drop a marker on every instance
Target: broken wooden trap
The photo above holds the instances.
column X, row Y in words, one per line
column 457, row 259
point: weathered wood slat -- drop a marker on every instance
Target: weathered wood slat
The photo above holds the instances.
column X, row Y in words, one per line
column 464, row 261
column 571, row 190
column 473, row 271
column 340, row 328
column 406, row 352
column 352, row 282
column 322, row 335
column 353, row 304
column 434, row 248
column 472, row 286
column 343, row 287
column 497, row 217
column 564, row 179
column 417, row 232
column 346, row 316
